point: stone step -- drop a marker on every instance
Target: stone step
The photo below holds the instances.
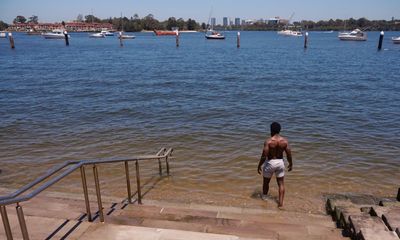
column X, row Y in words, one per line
column 209, row 221
column 392, row 220
column 251, row 214
column 120, row 232
column 358, row 222
column 46, row 228
column 373, row 234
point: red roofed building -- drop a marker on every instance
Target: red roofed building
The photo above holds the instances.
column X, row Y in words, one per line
column 70, row 26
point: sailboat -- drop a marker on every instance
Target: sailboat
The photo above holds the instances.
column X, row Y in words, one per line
column 121, row 34
column 290, row 33
column 213, row 34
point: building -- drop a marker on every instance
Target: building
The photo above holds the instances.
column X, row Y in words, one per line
column 225, row 22
column 213, row 21
column 237, row 21
column 69, row 26
column 230, row 22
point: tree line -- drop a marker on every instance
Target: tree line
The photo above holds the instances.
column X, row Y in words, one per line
column 149, row 22
column 137, row 24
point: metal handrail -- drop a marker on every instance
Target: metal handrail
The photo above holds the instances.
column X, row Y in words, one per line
column 15, row 197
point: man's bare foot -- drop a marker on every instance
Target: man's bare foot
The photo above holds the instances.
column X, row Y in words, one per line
column 281, row 207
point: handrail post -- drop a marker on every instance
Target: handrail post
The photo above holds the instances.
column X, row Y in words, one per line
column 159, row 167
column 22, row 223
column 6, row 223
column 167, row 163
column 128, row 182
column 85, row 193
column 139, row 192
column 96, row 181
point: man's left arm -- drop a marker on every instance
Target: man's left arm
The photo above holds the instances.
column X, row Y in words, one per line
column 263, row 157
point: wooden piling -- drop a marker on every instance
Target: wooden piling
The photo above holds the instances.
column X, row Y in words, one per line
column 121, row 44
column 66, row 38
column 238, row 40
column 11, row 38
column 380, row 40
column 177, row 39
column 305, row 40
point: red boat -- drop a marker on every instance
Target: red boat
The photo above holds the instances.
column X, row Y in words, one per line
column 166, row 32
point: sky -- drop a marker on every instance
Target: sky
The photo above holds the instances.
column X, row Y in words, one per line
column 66, row 10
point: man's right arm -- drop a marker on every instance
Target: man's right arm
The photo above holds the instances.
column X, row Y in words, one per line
column 288, row 152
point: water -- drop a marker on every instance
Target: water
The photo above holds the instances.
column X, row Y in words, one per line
column 338, row 103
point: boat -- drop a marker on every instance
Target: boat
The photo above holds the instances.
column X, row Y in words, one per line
column 396, row 40
column 97, row 35
column 3, row 34
column 107, row 33
column 33, row 32
column 55, row 34
column 355, row 35
column 290, row 33
column 174, row 31
column 125, row 36
column 212, row 34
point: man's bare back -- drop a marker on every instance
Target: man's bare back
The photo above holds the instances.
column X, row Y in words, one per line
column 271, row 161
column 276, row 146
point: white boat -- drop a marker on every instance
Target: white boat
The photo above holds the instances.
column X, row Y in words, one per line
column 396, row 40
column 212, row 34
column 290, row 33
column 125, row 36
column 106, row 33
column 55, row 34
column 3, row 34
column 97, row 35
column 355, row 35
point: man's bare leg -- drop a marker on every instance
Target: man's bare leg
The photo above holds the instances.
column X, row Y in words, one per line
column 266, row 185
column 281, row 185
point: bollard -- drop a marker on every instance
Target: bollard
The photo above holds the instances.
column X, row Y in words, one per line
column 305, row 40
column 238, row 40
column 66, row 38
column 120, row 40
column 380, row 40
column 11, row 38
column 177, row 39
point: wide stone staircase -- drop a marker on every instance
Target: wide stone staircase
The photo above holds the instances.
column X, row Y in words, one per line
column 62, row 216
column 365, row 217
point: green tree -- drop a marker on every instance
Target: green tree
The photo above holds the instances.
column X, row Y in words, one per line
column 90, row 18
column 33, row 19
column 3, row 26
column 19, row 19
column 171, row 22
column 79, row 18
column 150, row 23
column 192, row 24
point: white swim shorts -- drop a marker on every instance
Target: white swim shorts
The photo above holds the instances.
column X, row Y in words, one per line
column 272, row 166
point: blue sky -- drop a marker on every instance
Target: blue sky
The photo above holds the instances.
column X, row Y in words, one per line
column 56, row 10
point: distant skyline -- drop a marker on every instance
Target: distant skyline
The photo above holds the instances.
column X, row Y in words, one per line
column 57, row 11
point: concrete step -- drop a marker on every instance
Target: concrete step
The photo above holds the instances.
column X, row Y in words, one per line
column 46, row 228
column 255, row 223
column 118, row 232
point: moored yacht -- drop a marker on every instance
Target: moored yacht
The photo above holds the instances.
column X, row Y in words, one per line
column 355, row 35
column 212, row 34
column 97, row 35
column 3, row 34
column 55, row 34
column 290, row 33
column 106, row 33
column 396, row 40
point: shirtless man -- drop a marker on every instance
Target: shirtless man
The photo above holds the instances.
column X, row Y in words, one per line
column 273, row 153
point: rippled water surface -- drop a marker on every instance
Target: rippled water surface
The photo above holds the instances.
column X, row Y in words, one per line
column 338, row 103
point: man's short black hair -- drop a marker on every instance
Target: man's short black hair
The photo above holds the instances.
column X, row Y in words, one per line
column 275, row 128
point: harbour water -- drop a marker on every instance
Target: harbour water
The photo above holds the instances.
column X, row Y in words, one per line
column 338, row 103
